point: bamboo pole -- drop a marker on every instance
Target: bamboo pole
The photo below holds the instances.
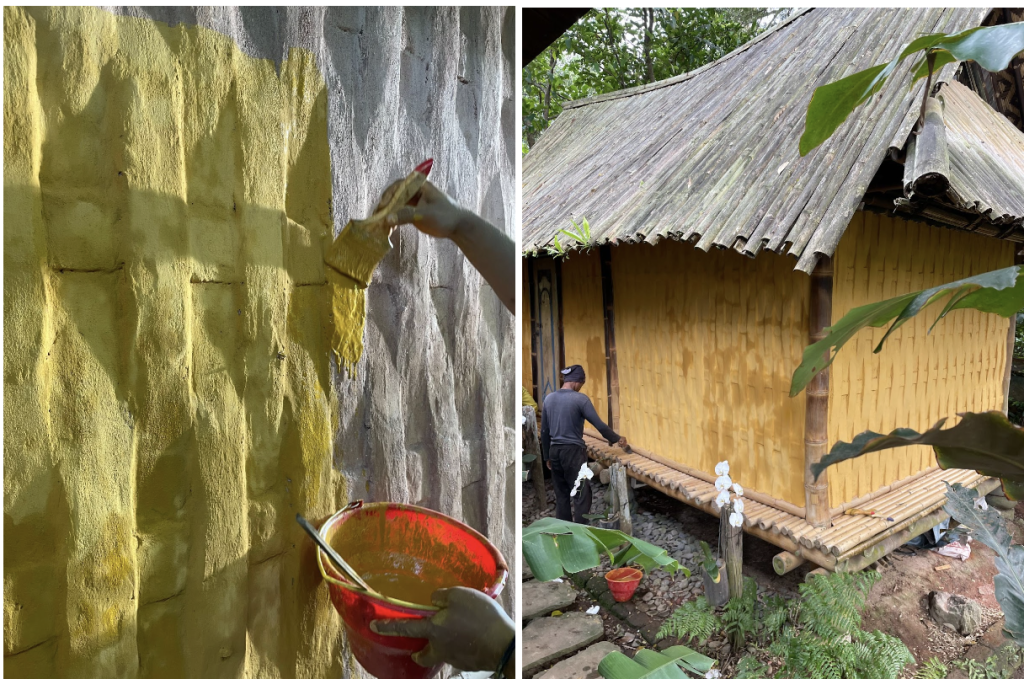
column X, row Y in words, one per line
column 816, row 422
column 611, row 356
column 621, row 484
column 784, row 562
column 531, row 446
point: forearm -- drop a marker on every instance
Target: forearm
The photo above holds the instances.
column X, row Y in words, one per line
column 491, row 252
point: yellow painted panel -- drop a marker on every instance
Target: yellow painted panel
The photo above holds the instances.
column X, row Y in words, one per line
column 583, row 325
column 706, row 346
column 917, row 378
column 167, row 335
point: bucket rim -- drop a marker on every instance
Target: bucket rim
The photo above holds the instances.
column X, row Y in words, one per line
column 634, row 569
column 502, row 565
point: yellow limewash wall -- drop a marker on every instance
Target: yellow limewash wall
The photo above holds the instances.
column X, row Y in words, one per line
column 917, row 378
column 168, row 402
column 583, row 326
column 706, row 344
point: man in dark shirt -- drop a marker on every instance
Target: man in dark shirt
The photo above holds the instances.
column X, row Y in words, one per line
column 561, row 439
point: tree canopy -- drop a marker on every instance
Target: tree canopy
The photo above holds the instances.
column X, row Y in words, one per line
column 612, row 49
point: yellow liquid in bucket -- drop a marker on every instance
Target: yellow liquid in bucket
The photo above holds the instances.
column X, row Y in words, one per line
column 408, row 588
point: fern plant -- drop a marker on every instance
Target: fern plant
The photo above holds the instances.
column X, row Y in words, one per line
column 694, row 619
column 933, row 668
column 750, row 667
column 741, row 613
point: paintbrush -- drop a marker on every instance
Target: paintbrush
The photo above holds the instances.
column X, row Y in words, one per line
column 362, row 243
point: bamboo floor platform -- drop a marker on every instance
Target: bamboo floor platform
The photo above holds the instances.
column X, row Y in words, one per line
column 850, row 543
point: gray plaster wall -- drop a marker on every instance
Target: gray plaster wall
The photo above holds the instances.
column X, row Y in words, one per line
column 427, row 416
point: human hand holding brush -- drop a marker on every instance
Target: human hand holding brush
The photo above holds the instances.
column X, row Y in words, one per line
column 490, row 251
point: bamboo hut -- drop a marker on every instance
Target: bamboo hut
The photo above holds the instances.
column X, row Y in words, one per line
column 718, row 254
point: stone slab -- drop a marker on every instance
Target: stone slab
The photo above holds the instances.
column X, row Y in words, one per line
column 548, row 639
column 583, row 665
column 541, row 598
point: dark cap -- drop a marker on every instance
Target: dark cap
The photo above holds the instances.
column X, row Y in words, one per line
column 574, row 373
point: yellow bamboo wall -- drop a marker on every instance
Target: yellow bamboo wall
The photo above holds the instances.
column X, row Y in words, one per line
column 527, row 339
column 917, row 378
column 707, row 343
column 583, row 325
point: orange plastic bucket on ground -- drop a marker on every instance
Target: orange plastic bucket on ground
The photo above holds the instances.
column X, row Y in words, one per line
column 405, row 553
column 622, row 582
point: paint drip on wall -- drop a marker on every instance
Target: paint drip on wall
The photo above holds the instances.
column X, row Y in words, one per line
column 168, row 327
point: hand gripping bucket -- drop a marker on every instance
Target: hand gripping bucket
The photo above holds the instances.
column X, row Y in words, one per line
column 622, row 582
column 404, row 552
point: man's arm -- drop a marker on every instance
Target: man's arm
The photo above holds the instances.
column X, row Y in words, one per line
column 590, row 415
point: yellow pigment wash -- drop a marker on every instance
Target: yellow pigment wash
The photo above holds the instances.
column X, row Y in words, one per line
column 168, row 326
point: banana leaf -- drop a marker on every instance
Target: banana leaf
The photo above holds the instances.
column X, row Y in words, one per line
column 999, row 292
column 985, row 442
column 991, row 47
column 553, row 547
column 648, row 664
column 990, row 529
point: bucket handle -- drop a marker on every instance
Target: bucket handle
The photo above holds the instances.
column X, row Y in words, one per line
column 355, row 504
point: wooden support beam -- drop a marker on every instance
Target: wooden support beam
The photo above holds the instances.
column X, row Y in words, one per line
column 610, row 357
column 534, row 334
column 816, row 421
column 561, row 333
column 731, row 541
column 531, row 446
column 621, row 484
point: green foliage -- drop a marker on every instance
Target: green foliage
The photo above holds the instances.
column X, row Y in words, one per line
column 932, row 669
column 694, row 620
column 741, row 614
column 997, row 666
column 1000, row 292
column 613, row 49
column 815, row 635
column 991, row 530
column 648, row 664
column 580, row 233
column 749, row 667
column 552, row 547
column 710, row 563
column 991, row 47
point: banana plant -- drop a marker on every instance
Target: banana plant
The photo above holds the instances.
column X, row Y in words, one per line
column 991, row 47
column 552, row 547
column 672, row 663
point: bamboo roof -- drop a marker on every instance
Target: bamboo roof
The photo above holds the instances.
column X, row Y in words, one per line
column 712, row 156
column 986, row 168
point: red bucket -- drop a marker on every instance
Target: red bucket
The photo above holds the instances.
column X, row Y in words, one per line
column 405, row 553
column 622, row 582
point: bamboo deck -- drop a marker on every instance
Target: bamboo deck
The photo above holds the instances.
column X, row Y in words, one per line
column 905, row 507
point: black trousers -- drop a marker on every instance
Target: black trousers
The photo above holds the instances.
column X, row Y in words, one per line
column 566, row 461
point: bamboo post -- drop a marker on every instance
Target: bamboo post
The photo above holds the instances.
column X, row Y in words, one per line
column 531, row 446
column 621, row 484
column 927, row 169
column 1010, row 341
column 816, row 421
column 611, row 358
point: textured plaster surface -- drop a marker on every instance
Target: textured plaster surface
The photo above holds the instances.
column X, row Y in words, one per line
column 170, row 401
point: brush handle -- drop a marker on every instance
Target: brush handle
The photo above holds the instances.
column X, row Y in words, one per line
column 334, row 556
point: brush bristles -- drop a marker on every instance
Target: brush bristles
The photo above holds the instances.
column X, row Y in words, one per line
column 358, row 249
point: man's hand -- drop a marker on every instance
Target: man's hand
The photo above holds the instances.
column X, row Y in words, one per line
column 430, row 211
column 621, row 443
column 470, row 632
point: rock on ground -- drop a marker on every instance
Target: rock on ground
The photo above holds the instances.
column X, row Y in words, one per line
column 583, row 665
column 541, row 598
column 549, row 639
column 959, row 612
